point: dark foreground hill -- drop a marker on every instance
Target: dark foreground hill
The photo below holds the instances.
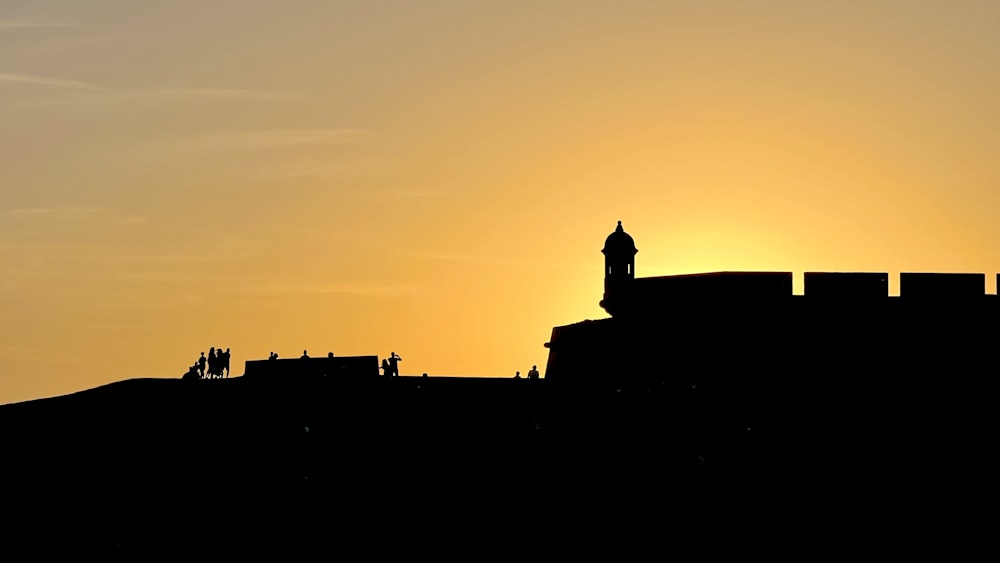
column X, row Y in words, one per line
column 244, row 464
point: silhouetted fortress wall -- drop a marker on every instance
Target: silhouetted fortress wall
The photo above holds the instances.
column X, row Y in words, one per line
column 338, row 366
column 844, row 374
column 641, row 295
column 721, row 324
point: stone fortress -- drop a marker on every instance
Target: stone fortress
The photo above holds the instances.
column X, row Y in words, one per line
column 742, row 325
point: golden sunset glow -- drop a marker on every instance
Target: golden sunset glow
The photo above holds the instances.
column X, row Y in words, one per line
column 437, row 177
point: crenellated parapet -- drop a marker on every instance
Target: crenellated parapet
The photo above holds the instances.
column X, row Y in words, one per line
column 725, row 323
column 628, row 295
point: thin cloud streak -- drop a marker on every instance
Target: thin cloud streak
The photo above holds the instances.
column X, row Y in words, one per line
column 46, row 81
column 498, row 262
column 97, row 92
column 213, row 93
column 393, row 195
column 59, row 277
column 52, row 211
column 16, row 25
column 355, row 289
column 165, row 278
column 421, row 194
column 21, row 229
column 72, row 212
column 231, row 238
column 270, row 139
column 162, row 259
column 39, row 247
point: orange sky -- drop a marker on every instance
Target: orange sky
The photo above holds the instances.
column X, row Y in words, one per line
column 436, row 178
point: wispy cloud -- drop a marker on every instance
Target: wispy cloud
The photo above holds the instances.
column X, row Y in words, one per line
column 78, row 225
column 355, row 289
column 497, row 262
column 74, row 211
column 168, row 277
column 270, row 139
column 44, row 247
column 89, row 92
column 212, row 93
column 71, row 213
column 46, row 81
column 414, row 194
column 165, row 258
column 21, row 24
column 408, row 196
column 222, row 239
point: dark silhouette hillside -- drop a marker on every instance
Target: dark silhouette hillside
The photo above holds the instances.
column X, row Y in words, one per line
column 147, row 462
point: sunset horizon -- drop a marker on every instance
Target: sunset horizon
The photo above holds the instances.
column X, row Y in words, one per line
column 436, row 178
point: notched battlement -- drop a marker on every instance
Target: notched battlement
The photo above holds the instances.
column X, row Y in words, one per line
column 941, row 286
column 846, row 285
column 820, row 286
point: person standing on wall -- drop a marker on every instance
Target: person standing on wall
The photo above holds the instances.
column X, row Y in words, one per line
column 394, row 364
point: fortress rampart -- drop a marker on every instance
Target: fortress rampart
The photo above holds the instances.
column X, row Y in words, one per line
column 715, row 325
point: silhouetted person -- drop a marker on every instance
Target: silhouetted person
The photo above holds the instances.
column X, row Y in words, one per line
column 533, row 372
column 330, row 355
column 219, row 361
column 305, row 355
column 394, row 364
column 225, row 362
column 213, row 362
column 201, row 366
column 193, row 372
column 385, row 368
column 273, row 356
column 517, row 375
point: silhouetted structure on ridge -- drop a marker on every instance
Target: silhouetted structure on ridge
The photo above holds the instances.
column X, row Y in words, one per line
column 684, row 328
column 356, row 367
column 842, row 393
column 331, row 365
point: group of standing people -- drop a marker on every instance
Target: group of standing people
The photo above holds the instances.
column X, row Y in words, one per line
column 213, row 366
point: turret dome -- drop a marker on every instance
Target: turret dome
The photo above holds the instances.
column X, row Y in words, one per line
column 619, row 242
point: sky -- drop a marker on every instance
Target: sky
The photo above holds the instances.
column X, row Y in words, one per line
column 437, row 177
